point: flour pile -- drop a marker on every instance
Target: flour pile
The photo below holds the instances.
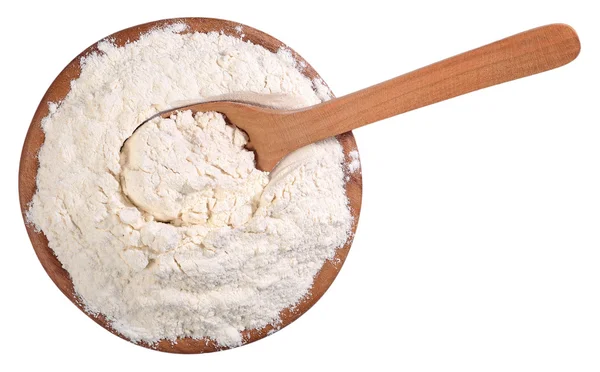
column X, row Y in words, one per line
column 179, row 235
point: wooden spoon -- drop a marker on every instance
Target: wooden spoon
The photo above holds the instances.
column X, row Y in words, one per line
column 275, row 133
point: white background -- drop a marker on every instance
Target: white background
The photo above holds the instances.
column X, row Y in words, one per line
column 478, row 247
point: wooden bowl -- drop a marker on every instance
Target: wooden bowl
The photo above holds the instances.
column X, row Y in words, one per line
column 29, row 165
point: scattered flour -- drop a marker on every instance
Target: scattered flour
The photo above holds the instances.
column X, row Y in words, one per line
column 179, row 235
column 354, row 164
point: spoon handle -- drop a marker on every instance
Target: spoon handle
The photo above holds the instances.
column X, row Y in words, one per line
column 524, row 54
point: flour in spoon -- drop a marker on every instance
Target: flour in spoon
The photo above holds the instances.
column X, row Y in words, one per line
column 180, row 235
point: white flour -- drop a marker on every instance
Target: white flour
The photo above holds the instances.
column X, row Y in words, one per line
column 240, row 245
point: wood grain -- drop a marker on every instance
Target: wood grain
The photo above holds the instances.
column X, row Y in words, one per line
column 29, row 165
column 275, row 133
